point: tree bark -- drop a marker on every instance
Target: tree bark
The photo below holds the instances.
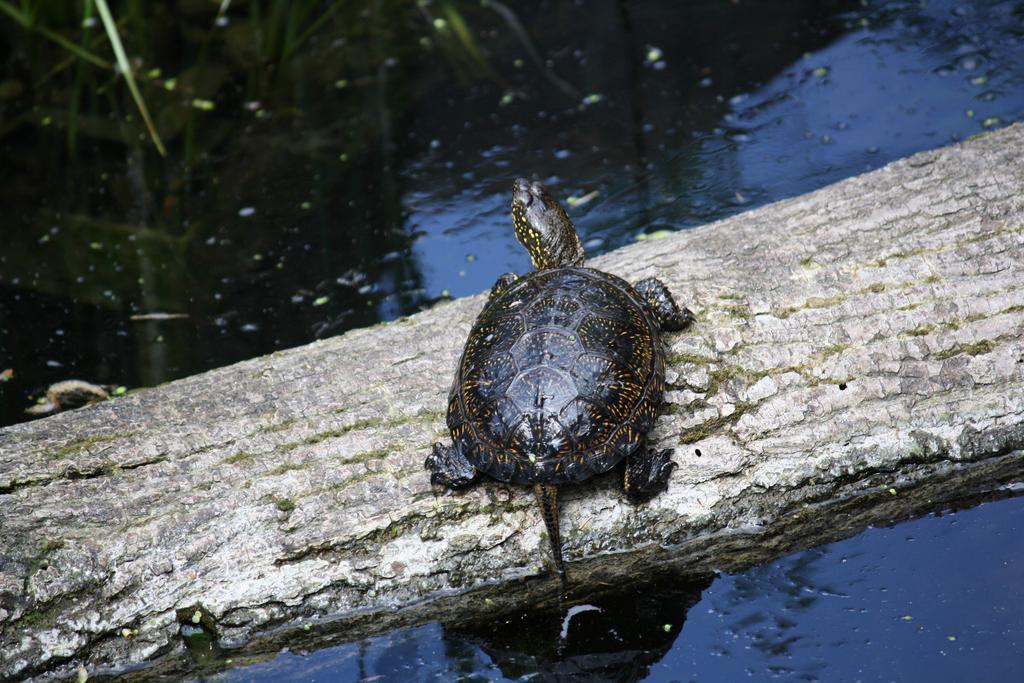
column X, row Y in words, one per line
column 855, row 359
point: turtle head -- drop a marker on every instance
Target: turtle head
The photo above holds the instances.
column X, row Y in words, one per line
column 543, row 227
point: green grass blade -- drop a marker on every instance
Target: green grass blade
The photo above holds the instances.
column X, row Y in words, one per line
column 126, row 71
column 15, row 14
column 28, row 24
column 74, row 49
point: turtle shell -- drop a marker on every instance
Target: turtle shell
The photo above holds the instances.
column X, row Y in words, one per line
column 561, row 378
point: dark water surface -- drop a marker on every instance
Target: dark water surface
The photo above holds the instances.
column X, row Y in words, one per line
column 332, row 165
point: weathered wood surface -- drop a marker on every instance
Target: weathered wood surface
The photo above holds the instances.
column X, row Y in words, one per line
column 863, row 335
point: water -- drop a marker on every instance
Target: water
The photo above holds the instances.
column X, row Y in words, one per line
column 326, row 179
column 894, row 604
column 332, row 165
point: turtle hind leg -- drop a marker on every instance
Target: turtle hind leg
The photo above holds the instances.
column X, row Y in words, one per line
column 547, row 496
column 671, row 315
column 647, row 472
column 448, row 465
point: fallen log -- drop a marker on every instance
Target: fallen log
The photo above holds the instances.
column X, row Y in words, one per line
column 856, row 359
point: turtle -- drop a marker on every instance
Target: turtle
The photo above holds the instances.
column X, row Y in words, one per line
column 562, row 375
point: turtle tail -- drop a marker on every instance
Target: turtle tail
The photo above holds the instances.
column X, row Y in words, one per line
column 547, row 496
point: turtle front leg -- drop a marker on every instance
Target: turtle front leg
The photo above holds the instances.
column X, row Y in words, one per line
column 671, row 316
column 448, row 465
column 501, row 284
column 647, row 472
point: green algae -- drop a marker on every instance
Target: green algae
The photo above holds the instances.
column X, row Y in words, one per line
column 970, row 349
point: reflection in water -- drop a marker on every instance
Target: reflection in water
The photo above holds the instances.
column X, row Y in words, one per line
column 908, row 603
column 613, row 637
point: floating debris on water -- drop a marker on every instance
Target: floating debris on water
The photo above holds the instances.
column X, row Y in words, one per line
column 657, row 234
column 158, row 316
column 574, row 201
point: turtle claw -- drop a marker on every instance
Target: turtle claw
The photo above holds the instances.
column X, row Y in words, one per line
column 647, row 473
column 449, row 466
